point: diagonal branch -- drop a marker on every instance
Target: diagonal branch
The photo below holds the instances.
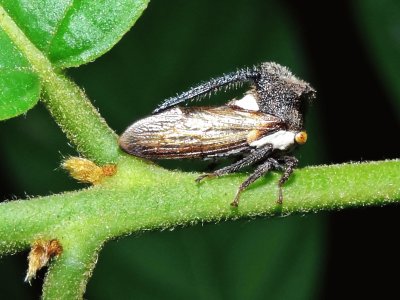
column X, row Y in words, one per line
column 67, row 103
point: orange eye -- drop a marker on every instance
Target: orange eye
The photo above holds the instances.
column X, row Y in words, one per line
column 301, row 137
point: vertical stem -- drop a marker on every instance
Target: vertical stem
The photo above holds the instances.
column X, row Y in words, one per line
column 69, row 106
column 79, row 120
column 68, row 275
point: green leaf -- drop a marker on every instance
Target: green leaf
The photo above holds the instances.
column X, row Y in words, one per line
column 379, row 22
column 38, row 35
column 72, row 33
column 19, row 85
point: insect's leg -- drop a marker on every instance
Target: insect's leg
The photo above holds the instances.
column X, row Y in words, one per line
column 211, row 166
column 213, row 85
column 289, row 163
column 253, row 157
column 258, row 172
column 214, row 163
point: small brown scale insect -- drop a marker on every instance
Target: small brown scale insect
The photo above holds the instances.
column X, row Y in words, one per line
column 264, row 126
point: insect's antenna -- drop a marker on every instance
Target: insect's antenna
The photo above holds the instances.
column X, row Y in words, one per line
column 213, row 85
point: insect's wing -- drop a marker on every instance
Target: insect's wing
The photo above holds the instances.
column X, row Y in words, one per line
column 197, row 132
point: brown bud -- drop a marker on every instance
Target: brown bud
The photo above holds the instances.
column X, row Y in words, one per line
column 85, row 170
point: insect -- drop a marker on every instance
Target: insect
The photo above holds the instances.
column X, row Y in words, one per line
column 263, row 127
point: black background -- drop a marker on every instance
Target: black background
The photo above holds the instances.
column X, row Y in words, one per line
column 363, row 252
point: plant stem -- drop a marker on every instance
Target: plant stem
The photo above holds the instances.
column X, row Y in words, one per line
column 150, row 198
column 68, row 104
column 67, row 277
column 79, row 120
column 143, row 196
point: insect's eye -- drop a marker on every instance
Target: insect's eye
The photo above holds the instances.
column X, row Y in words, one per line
column 301, row 137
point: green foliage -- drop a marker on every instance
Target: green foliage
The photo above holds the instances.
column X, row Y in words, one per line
column 74, row 33
column 19, row 85
column 66, row 33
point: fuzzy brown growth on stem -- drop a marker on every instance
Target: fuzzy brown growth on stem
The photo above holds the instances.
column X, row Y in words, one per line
column 41, row 252
column 86, row 171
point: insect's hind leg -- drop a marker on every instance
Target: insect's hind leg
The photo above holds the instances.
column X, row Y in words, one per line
column 289, row 164
column 254, row 157
column 214, row 164
column 211, row 166
column 262, row 169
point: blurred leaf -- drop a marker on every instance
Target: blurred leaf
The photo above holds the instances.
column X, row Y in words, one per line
column 19, row 85
column 33, row 153
column 13, row 286
column 242, row 260
column 379, row 23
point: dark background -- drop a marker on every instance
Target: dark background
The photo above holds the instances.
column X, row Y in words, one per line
column 348, row 50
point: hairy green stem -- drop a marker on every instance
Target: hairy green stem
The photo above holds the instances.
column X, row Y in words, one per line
column 69, row 106
column 79, row 120
column 73, row 267
column 142, row 196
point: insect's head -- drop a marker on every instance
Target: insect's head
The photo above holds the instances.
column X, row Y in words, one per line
column 283, row 95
